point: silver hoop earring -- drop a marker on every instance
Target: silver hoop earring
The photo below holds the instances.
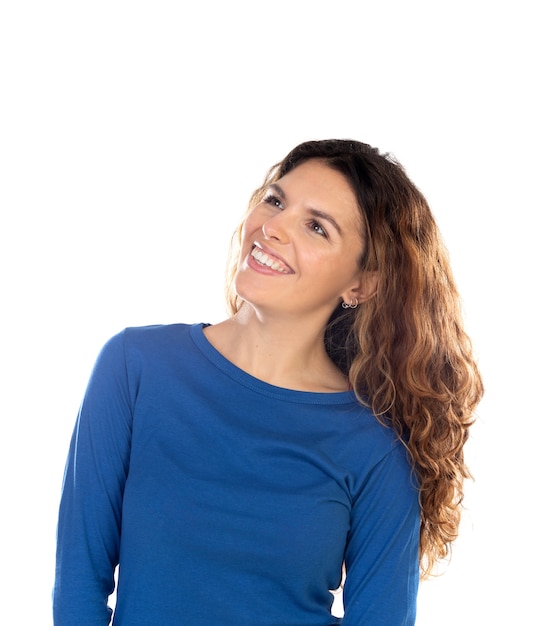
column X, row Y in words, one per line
column 353, row 304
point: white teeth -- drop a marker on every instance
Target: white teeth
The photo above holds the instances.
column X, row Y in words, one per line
column 262, row 258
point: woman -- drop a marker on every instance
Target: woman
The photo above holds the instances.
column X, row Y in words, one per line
column 234, row 471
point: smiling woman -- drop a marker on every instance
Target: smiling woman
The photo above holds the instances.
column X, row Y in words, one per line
column 308, row 230
column 318, row 429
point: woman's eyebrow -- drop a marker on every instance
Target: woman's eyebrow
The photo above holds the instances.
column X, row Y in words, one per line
column 278, row 190
column 322, row 215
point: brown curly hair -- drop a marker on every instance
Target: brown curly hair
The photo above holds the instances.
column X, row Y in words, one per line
column 405, row 350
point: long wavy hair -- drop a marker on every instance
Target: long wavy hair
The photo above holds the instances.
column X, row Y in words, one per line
column 405, row 350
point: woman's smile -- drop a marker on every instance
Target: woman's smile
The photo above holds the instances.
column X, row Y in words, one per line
column 266, row 259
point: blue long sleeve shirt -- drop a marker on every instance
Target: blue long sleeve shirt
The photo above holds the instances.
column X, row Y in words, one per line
column 226, row 500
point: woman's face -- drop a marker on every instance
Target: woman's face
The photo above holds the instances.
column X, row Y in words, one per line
column 301, row 244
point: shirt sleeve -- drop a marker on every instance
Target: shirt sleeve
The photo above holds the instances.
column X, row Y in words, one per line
column 88, row 534
column 382, row 560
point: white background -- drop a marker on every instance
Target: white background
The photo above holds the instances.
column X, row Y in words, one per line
column 131, row 136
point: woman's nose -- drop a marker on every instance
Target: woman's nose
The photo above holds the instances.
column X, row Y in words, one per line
column 277, row 228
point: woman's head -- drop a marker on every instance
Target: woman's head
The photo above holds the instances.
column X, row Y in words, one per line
column 301, row 247
column 398, row 235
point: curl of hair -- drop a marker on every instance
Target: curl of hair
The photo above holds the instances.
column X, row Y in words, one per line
column 405, row 350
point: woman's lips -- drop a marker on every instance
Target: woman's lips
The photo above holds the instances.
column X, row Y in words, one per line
column 266, row 259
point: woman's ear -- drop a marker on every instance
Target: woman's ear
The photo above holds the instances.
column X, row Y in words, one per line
column 365, row 289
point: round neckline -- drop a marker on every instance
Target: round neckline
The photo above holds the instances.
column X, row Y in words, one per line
column 260, row 386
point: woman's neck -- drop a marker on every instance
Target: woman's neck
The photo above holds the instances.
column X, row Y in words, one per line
column 281, row 352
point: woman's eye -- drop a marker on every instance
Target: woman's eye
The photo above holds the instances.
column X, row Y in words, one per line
column 273, row 200
column 317, row 228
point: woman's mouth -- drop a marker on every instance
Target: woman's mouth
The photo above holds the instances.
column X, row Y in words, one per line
column 267, row 260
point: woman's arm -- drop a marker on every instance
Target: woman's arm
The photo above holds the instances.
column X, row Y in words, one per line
column 91, row 504
column 382, row 560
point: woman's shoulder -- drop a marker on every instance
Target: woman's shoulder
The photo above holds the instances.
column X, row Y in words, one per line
column 156, row 332
column 150, row 339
